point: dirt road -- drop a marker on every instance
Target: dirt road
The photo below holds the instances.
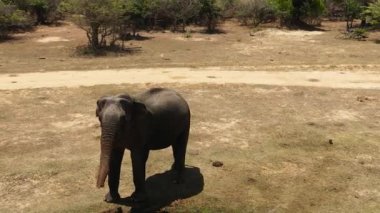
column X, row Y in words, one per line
column 212, row 75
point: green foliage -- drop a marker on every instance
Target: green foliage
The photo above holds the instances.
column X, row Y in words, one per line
column 360, row 33
column 253, row 12
column 181, row 11
column 44, row 11
column 210, row 12
column 356, row 34
column 283, row 9
column 372, row 12
column 227, row 7
column 352, row 11
column 312, row 10
column 10, row 17
column 298, row 10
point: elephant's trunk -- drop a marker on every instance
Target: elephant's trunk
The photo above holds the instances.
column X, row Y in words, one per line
column 107, row 140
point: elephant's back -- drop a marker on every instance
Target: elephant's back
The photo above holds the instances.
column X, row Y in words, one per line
column 170, row 114
column 162, row 101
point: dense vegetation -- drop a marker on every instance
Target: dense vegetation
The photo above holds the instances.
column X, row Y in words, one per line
column 108, row 21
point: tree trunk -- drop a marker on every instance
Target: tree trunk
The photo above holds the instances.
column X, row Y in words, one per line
column 94, row 35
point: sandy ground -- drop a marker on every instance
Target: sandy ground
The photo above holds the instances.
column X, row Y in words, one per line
column 273, row 141
column 295, row 120
column 213, row 75
column 50, row 48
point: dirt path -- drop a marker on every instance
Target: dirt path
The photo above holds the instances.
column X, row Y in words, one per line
column 212, row 75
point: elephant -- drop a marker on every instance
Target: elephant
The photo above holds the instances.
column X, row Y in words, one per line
column 151, row 120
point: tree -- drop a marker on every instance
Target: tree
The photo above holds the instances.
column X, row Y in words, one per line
column 352, row 11
column 136, row 13
column 298, row 11
column 187, row 9
column 101, row 19
column 373, row 12
column 210, row 12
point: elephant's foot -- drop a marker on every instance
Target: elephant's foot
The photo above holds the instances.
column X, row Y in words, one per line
column 136, row 197
column 177, row 177
column 112, row 198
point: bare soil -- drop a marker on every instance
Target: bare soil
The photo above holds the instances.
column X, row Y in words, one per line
column 213, row 75
column 284, row 149
column 305, row 140
column 55, row 49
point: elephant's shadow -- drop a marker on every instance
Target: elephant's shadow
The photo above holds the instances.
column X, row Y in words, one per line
column 162, row 191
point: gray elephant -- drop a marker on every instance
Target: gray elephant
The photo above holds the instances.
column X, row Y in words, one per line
column 152, row 120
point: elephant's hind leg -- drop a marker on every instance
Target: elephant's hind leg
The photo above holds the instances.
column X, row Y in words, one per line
column 179, row 153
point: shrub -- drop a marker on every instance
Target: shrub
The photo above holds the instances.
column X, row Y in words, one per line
column 283, row 10
column 372, row 12
column 254, row 12
column 227, row 7
column 296, row 11
column 11, row 18
column 311, row 11
column 44, row 11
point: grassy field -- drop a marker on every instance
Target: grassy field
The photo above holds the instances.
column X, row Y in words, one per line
column 284, row 149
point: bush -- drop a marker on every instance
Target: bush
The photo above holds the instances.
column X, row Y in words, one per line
column 227, row 7
column 372, row 12
column 11, row 18
column 254, row 12
column 298, row 11
column 283, row 10
column 43, row 11
column 311, row 11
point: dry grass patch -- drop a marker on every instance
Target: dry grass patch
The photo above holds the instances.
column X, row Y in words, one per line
column 274, row 143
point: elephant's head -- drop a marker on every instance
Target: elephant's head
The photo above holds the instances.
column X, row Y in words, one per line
column 116, row 115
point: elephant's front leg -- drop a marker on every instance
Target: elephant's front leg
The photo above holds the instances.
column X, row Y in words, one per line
column 139, row 158
column 114, row 175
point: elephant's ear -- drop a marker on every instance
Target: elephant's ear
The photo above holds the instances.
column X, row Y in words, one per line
column 139, row 109
column 99, row 105
column 126, row 103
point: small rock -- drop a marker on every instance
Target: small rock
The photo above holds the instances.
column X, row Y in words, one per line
column 217, row 164
column 313, row 80
column 331, row 141
column 364, row 98
column 251, row 180
column 41, row 58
